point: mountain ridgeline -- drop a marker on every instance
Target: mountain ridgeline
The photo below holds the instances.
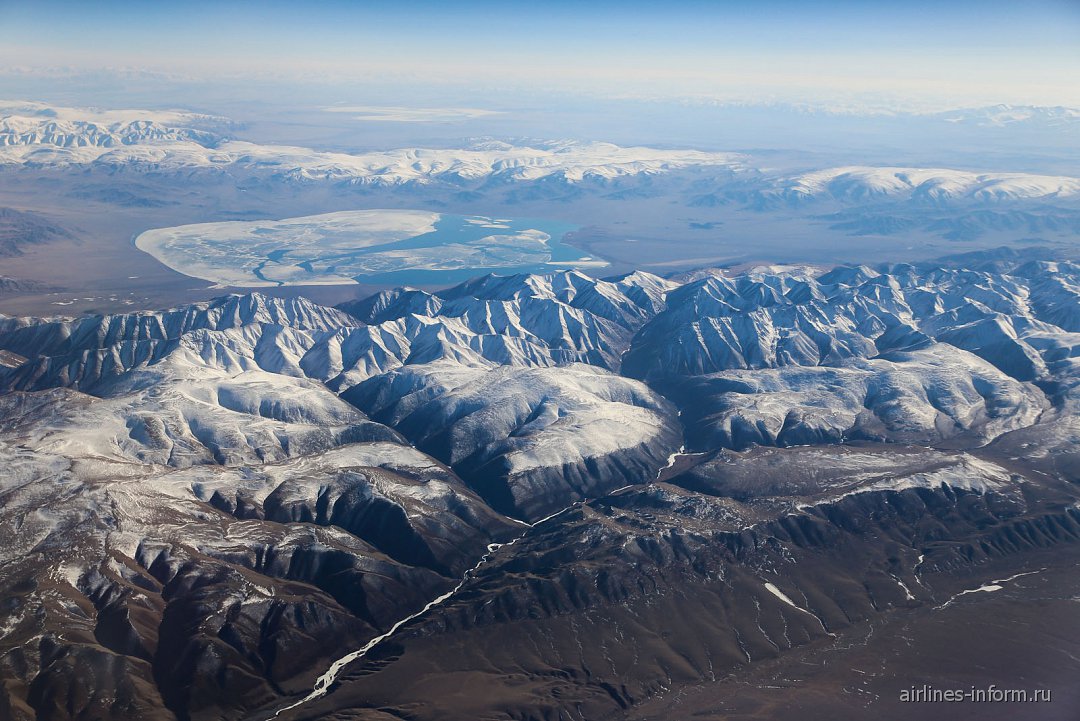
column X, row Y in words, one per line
column 593, row 491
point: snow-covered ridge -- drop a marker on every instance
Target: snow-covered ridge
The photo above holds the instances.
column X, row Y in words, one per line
column 932, row 185
column 766, row 320
column 19, row 131
column 29, row 124
column 572, row 162
column 34, row 135
column 248, row 377
column 643, row 324
column 901, row 352
column 774, row 356
column 1004, row 115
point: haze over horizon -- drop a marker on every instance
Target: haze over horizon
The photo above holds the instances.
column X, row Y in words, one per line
column 915, row 56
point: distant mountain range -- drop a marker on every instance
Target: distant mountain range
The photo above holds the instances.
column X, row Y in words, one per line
column 149, row 142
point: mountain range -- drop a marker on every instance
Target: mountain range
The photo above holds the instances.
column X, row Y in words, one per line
column 204, row 508
column 176, row 143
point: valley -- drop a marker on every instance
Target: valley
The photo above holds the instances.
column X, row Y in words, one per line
column 97, row 181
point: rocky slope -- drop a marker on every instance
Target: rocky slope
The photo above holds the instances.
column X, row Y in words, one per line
column 903, row 353
column 577, row 494
column 20, row 230
column 695, row 581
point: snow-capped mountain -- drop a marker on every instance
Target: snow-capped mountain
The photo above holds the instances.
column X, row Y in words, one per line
column 906, row 353
column 38, row 125
column 218, row 501
column 957, row 348
column 1003, row 115
column 167, row 143
column 18, row 131
column 529, row 439
column 175, row 143
column 924, row 185
column 173, row 380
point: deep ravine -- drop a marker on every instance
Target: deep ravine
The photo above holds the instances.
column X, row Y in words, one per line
column 325, row 681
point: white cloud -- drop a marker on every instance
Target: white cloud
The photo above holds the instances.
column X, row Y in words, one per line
column 391, row 114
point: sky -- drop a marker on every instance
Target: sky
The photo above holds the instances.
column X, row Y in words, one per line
column 916, row 53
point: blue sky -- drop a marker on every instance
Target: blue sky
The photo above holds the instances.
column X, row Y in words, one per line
column 961, row 51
